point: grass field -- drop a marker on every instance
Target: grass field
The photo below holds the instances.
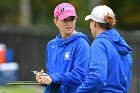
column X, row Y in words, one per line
column 21, row 89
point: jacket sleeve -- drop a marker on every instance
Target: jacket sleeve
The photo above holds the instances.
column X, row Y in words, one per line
column 98, row 70
column 77, row 75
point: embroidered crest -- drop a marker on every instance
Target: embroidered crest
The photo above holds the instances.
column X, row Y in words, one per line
column 67, row 56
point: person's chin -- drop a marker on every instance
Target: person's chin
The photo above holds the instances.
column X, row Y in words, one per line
column 69, row 31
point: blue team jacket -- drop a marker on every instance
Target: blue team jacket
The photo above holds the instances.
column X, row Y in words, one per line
column 66, row 62
column 110, row 66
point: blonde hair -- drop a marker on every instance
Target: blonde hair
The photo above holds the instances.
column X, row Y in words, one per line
column 110, row 21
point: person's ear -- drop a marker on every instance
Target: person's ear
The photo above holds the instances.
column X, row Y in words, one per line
column 55, row 21
column 94, row 23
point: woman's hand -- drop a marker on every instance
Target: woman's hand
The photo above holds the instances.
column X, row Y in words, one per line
column 43, row 79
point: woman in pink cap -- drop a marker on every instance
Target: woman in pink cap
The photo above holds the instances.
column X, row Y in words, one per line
column 66, row 55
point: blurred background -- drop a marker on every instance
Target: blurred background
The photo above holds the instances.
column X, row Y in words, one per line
column 26, row 26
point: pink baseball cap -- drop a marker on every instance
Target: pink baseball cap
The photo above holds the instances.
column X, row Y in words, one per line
column 64, row 10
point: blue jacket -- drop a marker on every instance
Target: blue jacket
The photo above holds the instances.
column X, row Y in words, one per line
column 66, row 61
column 110, row 66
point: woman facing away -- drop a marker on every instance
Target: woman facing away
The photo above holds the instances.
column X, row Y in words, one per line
column 110, row 68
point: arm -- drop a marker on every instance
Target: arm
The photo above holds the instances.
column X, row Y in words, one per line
column 98, row 70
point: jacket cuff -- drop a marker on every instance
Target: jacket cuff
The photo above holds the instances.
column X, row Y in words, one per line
column 55, row 78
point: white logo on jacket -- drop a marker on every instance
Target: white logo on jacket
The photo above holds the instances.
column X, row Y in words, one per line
column 53, row 46
column 67, row 56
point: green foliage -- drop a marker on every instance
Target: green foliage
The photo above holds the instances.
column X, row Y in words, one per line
column 8, row 11
column 127, row 13
column 82, row 11
column 43, row 10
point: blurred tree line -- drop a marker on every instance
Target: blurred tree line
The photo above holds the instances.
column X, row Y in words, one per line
column 43, row 10
column 127, row 12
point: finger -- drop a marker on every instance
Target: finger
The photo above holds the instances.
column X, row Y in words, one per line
column 48, row 81
column 45, row 80
column 37, row 78
column 42, row 71
column 42, row 80
column 38, row 74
